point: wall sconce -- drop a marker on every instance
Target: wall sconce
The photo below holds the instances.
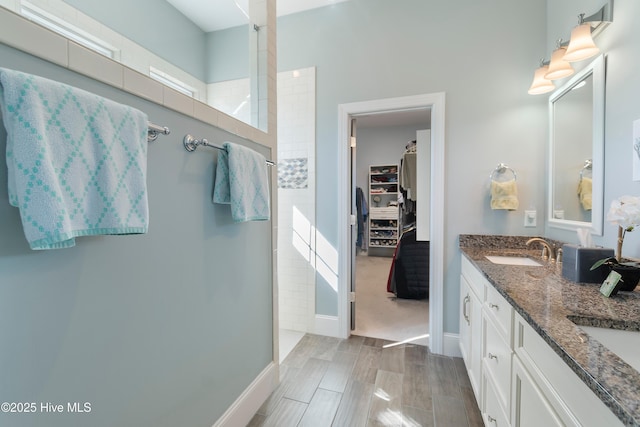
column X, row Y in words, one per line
column 540, row 83
column 559, row 67
column 579, row 47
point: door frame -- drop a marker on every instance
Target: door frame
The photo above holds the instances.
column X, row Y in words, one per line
column 435, row 101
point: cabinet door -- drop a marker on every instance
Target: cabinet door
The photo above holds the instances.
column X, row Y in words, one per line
column 465, row 320
column 529, row 406
column 471, row 333
column 475, row 307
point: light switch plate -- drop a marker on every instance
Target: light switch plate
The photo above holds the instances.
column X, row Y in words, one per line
column 530, row 218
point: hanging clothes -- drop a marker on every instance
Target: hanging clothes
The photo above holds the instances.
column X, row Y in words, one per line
column 408, row 177
column 408, row 182
column 362, row 210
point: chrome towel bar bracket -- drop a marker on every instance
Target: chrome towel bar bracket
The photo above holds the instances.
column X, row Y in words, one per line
column 155, row 130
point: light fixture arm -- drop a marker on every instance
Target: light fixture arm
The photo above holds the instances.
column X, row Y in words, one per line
column 599, row 20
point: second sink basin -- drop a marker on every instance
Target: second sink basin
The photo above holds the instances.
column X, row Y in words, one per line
column 622, row 343
column 513, row 260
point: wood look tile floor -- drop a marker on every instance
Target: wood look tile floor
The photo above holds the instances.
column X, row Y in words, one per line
column 360, row 381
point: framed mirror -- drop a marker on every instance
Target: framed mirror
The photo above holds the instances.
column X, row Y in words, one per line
column 213, row 51
column 576, row 151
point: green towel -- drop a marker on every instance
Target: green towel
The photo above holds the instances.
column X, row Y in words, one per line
column 242, row 181
column 76, row 162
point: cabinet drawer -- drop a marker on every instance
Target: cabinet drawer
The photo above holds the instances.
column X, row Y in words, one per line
column 496, row 361
column 500, row 311
column 492, row 413
column 475, row 279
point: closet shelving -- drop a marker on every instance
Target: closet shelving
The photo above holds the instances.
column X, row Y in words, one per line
column 383, row 206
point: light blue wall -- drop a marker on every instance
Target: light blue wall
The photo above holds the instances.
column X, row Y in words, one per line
column 155, row 25
column 620, row 41
column 227, row 54
column 482, row 54
column 162, row 329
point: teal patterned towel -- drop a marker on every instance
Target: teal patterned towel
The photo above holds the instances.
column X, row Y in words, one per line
column 242, row 180
column 77, row 162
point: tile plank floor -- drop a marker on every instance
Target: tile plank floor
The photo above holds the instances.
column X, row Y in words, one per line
column 360, row 382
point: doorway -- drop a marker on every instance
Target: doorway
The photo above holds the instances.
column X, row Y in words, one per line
column 393, row 307
column 436, row 102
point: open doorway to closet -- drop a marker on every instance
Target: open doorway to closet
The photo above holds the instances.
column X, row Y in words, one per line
column 391, row 263
column 435, row 222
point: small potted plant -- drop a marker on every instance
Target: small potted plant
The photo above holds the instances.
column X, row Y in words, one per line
column 625, row 213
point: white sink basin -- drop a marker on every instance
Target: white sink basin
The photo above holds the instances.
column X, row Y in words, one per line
column 624, row 344
column 512, row 260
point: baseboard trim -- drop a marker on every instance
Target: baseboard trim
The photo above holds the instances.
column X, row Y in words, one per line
column 245, row 406
column 327, row 325
column 452, row 345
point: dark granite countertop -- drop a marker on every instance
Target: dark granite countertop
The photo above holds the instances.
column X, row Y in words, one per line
column 551, row 305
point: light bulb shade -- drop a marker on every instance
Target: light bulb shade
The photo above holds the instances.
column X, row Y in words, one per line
column 558, row 67
column 581, row 45
column 540, row 84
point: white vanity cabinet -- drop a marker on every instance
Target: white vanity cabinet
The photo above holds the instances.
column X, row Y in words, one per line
column 517, row 378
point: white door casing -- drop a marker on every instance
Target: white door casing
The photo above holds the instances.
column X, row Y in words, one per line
column 436, row 102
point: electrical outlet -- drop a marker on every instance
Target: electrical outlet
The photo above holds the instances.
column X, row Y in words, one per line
column 530, row 218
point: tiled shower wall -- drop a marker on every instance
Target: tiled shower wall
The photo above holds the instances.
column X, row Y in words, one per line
column 296, row 198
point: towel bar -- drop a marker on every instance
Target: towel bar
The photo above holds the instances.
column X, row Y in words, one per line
column 191, row 144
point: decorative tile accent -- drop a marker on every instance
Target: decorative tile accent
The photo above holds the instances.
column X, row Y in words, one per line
column 293, row 173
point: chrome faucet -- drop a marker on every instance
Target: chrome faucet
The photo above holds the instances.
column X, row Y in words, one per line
column 548, row 250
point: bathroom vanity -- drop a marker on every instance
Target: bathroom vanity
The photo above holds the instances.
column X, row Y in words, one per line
column 526, row 342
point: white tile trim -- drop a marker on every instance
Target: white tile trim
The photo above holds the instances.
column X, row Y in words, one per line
column 56, row 50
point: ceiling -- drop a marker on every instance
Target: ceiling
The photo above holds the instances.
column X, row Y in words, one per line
column 213, row 15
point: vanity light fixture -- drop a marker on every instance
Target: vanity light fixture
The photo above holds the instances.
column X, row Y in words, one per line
column 580, row 47
column 541, row 84
column 559, row 67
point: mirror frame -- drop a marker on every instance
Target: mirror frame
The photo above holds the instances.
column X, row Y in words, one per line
column 597, row 69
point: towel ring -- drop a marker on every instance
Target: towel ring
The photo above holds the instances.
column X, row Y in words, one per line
column 588, row 165
column 502, row 168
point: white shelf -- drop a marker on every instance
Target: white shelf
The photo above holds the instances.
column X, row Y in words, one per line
column 383, row 231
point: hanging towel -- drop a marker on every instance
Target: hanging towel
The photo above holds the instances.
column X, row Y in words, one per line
column 76, row 161
column 585, row 192
column 242, row 181
column 504, row 195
